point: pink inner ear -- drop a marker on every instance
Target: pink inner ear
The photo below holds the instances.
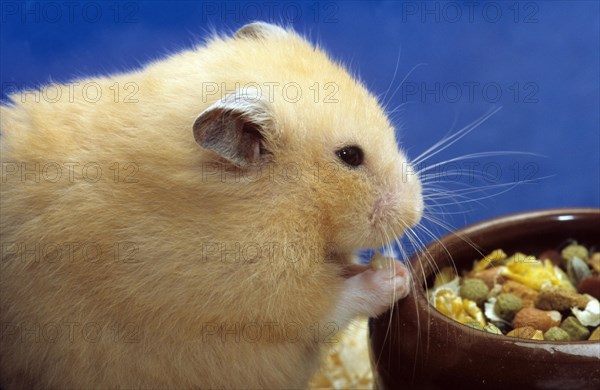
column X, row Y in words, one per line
column 255, row 152
column 249, row 141
column 231, row 135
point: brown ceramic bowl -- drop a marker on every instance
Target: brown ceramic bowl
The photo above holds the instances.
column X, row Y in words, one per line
column 417, row 347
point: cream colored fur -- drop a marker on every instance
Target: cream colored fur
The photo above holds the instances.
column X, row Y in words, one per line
column 161, row 295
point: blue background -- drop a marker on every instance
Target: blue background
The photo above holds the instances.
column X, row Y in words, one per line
column 539, row 61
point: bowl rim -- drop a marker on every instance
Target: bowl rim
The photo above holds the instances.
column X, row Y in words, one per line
column 421, row 301
column 525, row 215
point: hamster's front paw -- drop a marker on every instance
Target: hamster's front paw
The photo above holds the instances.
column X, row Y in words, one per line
column 376, row 289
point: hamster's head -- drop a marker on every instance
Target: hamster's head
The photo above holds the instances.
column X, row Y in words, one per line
column 296, row 109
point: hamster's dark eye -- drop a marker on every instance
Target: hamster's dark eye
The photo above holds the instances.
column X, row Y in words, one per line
column 351, row 155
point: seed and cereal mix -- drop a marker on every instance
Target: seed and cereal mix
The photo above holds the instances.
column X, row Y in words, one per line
column 554, row 296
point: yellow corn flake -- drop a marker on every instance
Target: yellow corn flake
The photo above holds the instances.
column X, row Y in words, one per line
column 445, row 276
column 538, row 335
column 533, row 273
column 447, row 302
column 461, row 310
column 474, row 311
column 495, row 257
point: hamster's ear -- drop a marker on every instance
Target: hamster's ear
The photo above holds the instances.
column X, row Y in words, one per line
column 259, row 30
column 235, row 127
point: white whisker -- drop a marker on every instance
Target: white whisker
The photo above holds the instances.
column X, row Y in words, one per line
column 480, row 155
column 445, row 143
column 404, row 79
column 393, row 76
